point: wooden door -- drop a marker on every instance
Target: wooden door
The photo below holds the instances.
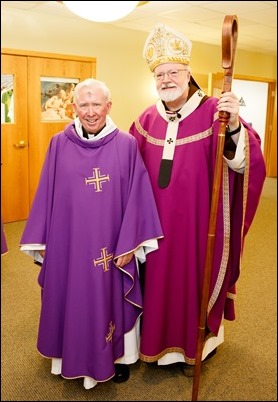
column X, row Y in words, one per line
column 25, row 142
column 14, row 144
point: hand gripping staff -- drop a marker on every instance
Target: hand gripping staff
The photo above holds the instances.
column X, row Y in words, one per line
column 229, row 41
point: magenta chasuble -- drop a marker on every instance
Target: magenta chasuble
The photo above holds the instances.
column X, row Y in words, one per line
column 173, row 274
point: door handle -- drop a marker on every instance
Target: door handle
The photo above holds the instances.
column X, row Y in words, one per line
column 21, row 144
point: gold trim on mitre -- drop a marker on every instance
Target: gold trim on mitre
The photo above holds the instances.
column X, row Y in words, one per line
column 165, row 45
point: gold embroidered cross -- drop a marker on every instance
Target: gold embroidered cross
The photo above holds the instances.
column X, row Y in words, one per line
column 97, row 180
column 104, row 259
column 112, row 327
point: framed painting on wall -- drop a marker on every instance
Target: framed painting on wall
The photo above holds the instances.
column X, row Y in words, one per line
column 57, row 98
column 7, row 98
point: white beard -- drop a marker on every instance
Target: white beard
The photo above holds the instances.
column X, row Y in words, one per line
column 172, row 94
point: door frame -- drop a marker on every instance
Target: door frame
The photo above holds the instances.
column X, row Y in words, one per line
column 215, row 80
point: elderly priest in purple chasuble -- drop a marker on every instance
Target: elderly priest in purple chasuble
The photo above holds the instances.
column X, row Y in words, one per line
column 92, row 219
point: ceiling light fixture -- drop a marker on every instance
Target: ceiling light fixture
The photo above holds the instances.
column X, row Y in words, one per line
column 101, row 11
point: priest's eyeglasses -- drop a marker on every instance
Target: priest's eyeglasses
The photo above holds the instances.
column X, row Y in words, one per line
column 172, row 74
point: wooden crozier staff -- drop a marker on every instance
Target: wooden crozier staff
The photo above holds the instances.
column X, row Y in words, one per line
column 229, row 40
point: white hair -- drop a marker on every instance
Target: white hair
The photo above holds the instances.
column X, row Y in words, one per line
column 91, row 83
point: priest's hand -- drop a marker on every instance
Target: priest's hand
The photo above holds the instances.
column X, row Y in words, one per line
column 124, row 260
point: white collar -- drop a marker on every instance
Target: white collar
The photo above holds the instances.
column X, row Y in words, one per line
column 109, row 127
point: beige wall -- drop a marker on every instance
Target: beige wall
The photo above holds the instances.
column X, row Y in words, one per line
column 119, row 56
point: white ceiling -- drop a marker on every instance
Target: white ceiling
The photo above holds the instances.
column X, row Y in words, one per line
column 200, row 21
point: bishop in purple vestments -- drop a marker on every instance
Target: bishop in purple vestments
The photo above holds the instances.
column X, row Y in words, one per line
column 178, row 140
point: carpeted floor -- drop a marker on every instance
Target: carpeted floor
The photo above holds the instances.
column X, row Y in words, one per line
column 244, row 368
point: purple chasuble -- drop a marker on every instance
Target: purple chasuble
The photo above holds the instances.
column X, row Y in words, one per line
column 94, row 202
column 173, row 281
